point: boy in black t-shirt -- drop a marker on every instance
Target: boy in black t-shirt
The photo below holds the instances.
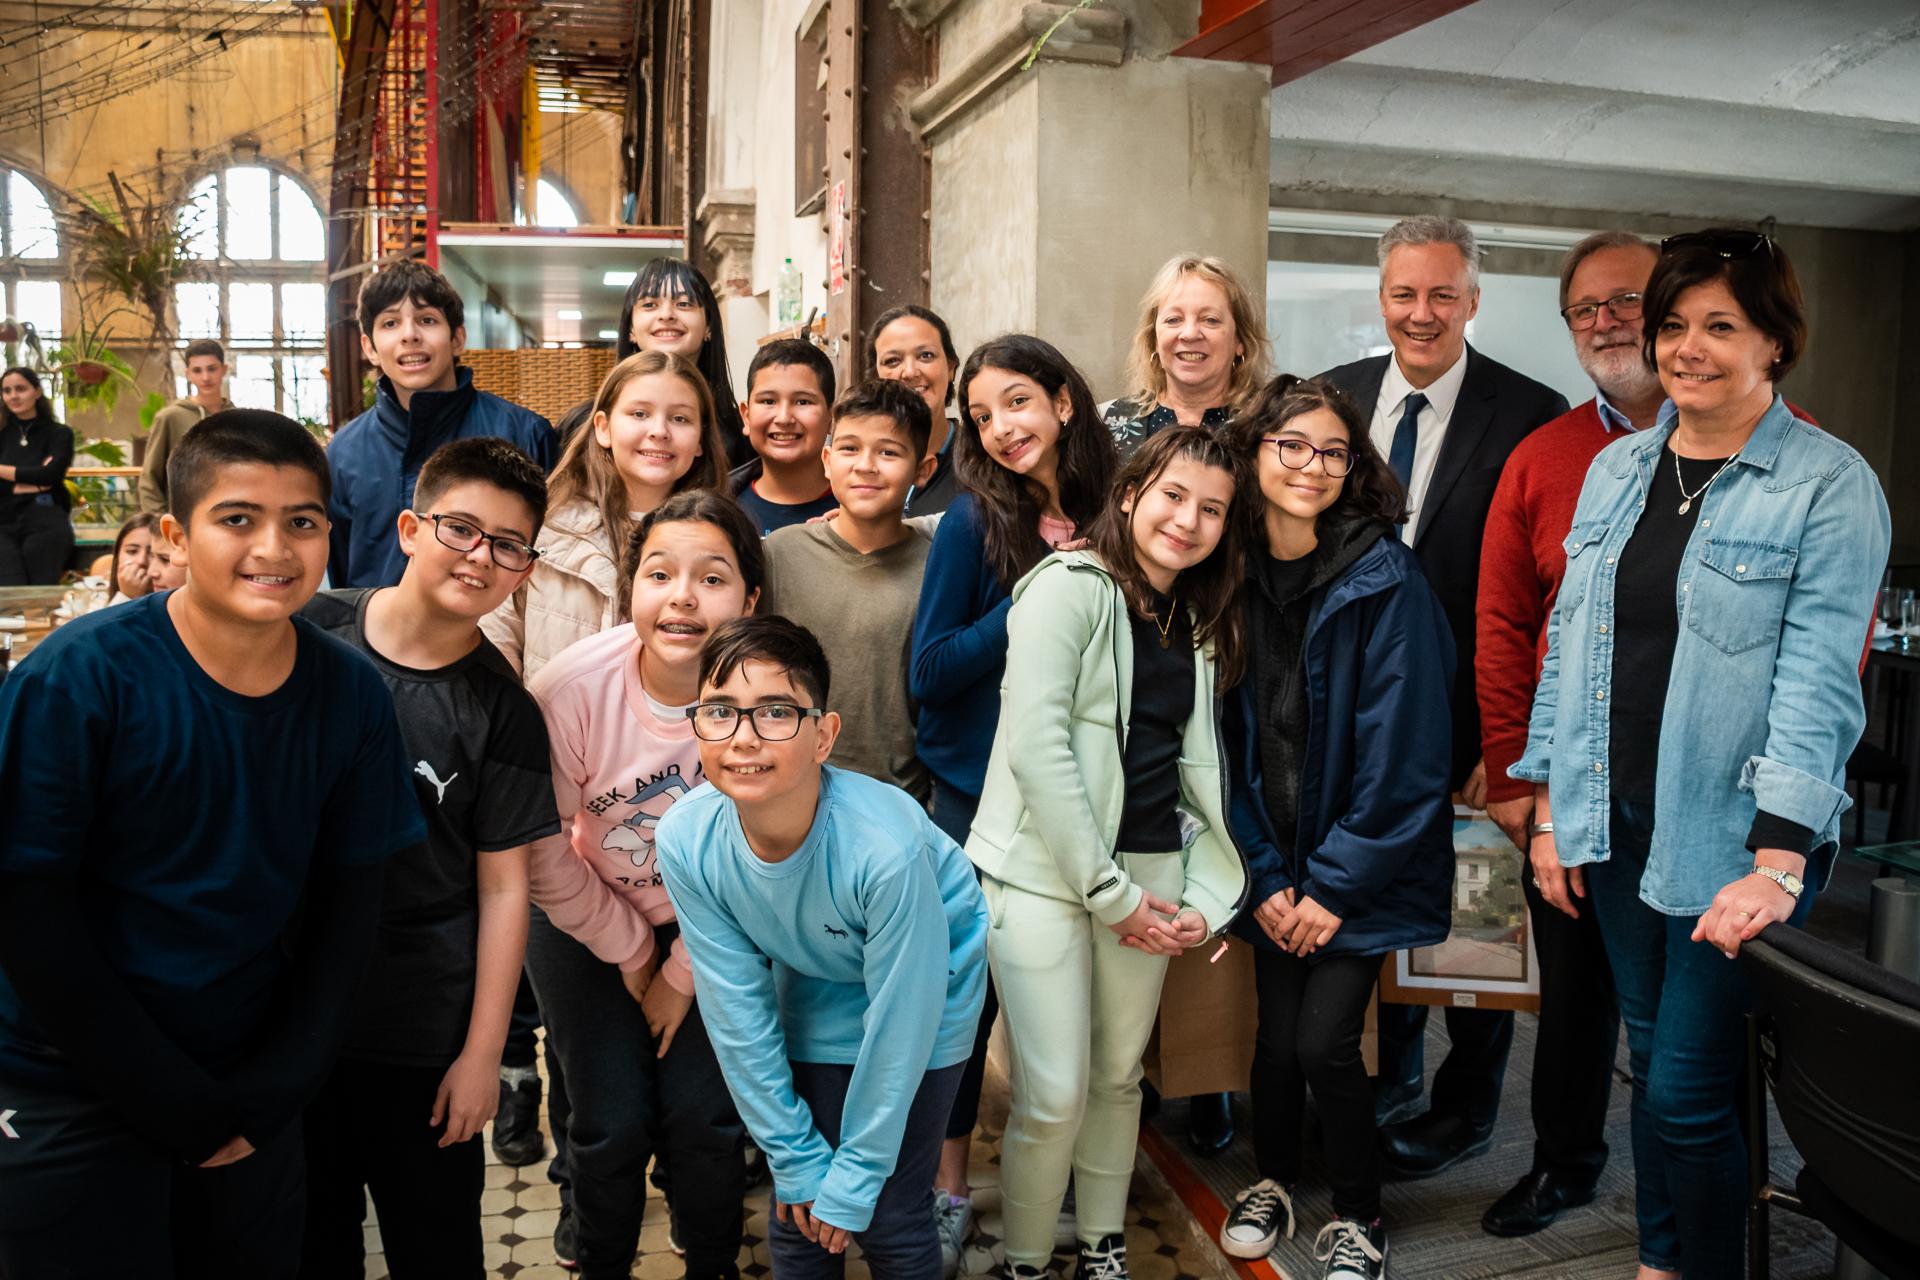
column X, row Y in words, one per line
column 180, row 777
column 431, row 1019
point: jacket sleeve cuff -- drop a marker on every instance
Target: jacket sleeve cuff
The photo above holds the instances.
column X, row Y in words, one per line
column 677, row 968
column 640, row 956
column 1111, row 906
column 1771, row 831
column 1535, row 766
column 1793, row 794
column 1266, row 884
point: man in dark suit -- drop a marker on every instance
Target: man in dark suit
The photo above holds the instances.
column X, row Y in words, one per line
column 1445, row 417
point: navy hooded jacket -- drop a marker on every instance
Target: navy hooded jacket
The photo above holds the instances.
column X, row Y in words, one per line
column 376, row 458
column 1374, row 842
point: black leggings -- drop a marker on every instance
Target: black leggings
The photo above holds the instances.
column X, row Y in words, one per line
column 1311, row 1016
column 953, row 813
column 35, row 543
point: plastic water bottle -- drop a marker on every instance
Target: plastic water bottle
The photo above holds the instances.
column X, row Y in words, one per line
column 786, row 297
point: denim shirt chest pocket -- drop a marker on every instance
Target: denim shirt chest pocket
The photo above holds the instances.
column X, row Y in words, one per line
column 1737, row 594
column 1583, row 556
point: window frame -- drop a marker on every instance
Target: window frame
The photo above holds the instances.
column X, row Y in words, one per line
column 223, row 271
column 14, row 270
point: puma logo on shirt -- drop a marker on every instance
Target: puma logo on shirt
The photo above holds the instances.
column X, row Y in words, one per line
column 425, row 770
column 835, row 933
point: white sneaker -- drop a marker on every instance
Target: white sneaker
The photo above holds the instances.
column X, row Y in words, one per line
column 952, row 1216
column 1261, row 1215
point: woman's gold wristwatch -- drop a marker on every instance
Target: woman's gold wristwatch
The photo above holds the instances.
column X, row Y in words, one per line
column 1785, row 879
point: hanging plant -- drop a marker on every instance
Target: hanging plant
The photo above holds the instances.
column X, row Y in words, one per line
column 134, row 248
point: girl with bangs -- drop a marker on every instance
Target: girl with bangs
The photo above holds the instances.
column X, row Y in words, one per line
column 1102, row 835
column 654, row 433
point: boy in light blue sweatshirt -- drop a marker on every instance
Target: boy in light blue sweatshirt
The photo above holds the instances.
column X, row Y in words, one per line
column 838, row 942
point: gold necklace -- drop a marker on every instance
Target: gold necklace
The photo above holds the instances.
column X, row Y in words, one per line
column 1166, row 628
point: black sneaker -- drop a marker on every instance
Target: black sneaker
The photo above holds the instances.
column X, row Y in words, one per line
column 517, row 1139
column 1261, row 1215
column 566, row 1241
column 1105, row 1259
column 1352, row 1250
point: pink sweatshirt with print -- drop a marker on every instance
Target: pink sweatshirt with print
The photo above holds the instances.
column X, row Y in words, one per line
column 617, row 767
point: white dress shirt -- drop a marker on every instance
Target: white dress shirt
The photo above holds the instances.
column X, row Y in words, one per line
column 1442, row 394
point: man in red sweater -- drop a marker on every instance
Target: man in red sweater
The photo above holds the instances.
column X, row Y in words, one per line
column 1521, row 564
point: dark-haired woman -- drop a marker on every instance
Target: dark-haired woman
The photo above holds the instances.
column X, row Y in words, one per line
column 1036, row 464
column 1339, row 740
column 1697, row 704
column 671, row 307
column 1101, row 836
column 912, row 344
column 36, row 535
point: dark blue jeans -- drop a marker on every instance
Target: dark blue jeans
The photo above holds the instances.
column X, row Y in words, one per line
column 1684, row 1004
column 900, row 1242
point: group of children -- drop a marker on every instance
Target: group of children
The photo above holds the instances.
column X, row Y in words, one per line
column 1087, row 716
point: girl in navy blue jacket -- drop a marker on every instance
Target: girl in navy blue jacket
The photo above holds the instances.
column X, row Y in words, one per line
column 1339, row 740
column 1035, row 477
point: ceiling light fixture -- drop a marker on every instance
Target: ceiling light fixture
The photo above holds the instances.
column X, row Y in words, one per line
column 567, row 314
column 618, row 279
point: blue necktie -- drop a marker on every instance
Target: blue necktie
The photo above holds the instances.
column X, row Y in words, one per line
column 1406, row 437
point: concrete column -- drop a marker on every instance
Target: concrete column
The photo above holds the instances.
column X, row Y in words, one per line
column 1058, row 190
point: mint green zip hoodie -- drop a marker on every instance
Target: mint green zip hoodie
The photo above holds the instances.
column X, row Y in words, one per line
column 1050, row 812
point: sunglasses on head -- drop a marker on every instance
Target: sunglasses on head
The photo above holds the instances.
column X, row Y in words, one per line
column 1730, row 245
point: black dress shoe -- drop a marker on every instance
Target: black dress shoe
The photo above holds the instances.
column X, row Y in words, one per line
column 1210, row 1122
column 1422, row 1147
column 1533, row 1203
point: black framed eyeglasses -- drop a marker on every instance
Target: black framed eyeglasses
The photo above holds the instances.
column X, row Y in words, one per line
column 1731, row 245
column 772, row 721
column 1296, row 453
column 1621, row 306
column 510, row 554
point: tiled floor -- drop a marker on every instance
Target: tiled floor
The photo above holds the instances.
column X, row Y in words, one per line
column 520, row 1208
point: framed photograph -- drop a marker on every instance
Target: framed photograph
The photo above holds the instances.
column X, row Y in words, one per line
column 1488, row 960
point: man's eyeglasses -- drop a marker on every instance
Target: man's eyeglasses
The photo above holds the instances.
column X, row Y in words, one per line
column 1298, row 453
column 1730, row 245
column 1621, row 306
column 772, row 721
column 510, row 554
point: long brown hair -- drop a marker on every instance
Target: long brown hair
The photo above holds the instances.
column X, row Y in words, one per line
column 144, row 520
column 586, row 472
column 1370, row 492
column 1212, row 587
column 1084, row 473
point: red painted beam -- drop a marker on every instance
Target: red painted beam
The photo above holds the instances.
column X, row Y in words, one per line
column 1296, row 37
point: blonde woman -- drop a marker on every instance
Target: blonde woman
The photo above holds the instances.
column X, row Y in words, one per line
column 1198, row 355
column 654, row 433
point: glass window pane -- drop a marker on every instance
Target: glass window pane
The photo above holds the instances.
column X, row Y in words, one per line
column 37, row 302
column 250, row 314
column 551, row 209
column 201, row 220
column 249, row 212
column 198, row 306
column 303, row 236
column 32, row 233
column 305, row 387
column 252, row 382
column 303, row 314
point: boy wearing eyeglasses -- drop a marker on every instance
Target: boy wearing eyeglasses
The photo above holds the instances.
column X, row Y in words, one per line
column 838, row 942
column 418, row 1076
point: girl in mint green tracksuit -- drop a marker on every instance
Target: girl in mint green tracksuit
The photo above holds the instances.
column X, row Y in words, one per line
column 1102, row 836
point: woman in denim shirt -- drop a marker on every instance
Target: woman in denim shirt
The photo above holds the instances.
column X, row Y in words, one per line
column 1696, row 708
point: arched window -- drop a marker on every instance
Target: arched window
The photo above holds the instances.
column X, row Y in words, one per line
column 30, row 255
column 551, row 208
column 258, row 286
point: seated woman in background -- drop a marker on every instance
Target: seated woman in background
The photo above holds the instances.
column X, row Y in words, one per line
column 132, row 572
column 36, row 536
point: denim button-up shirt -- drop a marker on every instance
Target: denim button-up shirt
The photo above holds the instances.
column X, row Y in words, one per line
column 1775, row 595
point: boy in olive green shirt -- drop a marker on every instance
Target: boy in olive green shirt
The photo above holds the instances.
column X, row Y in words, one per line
column 206, row 374
column 875, row 454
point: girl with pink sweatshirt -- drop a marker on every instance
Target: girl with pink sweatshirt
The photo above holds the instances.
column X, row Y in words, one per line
column 604, row 950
